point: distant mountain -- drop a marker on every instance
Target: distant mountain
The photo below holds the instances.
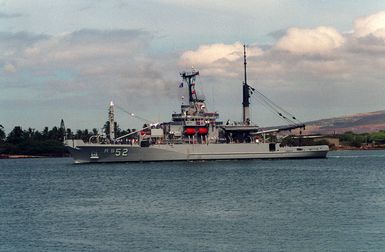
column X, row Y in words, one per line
column 358, row 123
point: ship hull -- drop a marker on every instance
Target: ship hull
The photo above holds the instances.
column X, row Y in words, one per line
column 102, row 153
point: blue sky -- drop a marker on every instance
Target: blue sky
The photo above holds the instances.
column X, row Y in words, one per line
column 68, row 59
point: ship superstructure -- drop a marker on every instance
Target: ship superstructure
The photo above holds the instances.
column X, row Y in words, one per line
column 194, row 124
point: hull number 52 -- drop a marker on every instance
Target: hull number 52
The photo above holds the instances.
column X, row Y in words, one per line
column 121, row 152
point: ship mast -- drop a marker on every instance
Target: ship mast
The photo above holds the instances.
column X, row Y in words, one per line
column 246, row 92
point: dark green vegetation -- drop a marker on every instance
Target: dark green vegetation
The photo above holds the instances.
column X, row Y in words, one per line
column 347, row 140
column 48, row 142
column 375, row 139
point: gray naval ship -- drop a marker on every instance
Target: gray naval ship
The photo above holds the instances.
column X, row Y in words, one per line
column 194, row 134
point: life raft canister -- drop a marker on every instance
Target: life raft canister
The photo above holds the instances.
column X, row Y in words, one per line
column 203, row 131
column 189, row 131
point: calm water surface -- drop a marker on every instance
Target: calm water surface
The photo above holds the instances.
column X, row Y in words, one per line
column 334, row 204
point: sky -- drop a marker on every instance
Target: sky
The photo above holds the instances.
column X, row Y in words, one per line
column 67, row 59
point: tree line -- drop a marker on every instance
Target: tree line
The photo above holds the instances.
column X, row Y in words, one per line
column 364, row 139
column 47, row 142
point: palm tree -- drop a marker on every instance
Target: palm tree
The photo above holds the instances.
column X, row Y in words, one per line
column 16, row 136
column 2, row 134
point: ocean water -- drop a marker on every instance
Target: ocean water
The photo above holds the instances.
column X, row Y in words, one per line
column 333, row 204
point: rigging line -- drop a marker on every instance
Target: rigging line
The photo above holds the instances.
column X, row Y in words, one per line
column 274, row 111
column 266, row 101
column 270, row 106
column 277, row 106
column 283, row 110
column 267, row 105
column 133, row 115
column 273, row 104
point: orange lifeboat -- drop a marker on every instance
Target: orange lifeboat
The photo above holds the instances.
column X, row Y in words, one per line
column 203, row 131
column 189, row 131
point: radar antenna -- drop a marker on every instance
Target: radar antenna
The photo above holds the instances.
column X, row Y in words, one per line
column 190, row 79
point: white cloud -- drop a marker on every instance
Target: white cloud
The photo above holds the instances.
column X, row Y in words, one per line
column 370, row 25
column 87, row 45
column 310, row 41
column 216, row 5
column 9, row 68
column 321, row 54
column 216, row 57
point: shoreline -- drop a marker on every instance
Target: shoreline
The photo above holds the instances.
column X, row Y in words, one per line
column 6, row 156
column 22, row 156
column 363, row 148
